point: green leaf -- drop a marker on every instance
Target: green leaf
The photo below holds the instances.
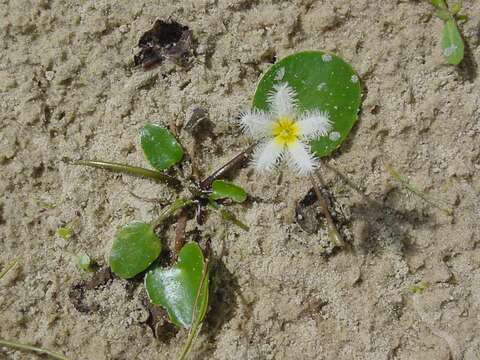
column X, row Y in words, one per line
column 176, row 288
column 84, row 262
column 135, row 248
column 442, row 14
column 65, row 232
column 439, row 4
column 160, row 147
column 322, row 81
column 452, row 43
column 462, row 18
column 222, row 189
column 455, row 8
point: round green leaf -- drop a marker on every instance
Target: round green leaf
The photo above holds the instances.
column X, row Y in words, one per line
column 160, row 147
column 135, row 248
column 452, row 43
column 321, row 81
column 176, row 288
column 222, row 189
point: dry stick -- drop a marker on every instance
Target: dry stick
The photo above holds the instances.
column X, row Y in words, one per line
column 26, row 347
column 180, row 231
column 9, row 267
column 230, row 165
column 333, row 233
column 132, row 170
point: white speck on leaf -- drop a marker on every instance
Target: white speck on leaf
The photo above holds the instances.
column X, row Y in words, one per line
column 327, row 57
column 334, row 135
column 280, row 74
column 322, row 86
column 354, row 79
column 450, row 50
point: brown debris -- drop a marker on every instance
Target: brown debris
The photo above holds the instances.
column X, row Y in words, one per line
column 165, row 40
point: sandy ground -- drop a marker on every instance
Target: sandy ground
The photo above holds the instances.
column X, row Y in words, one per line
column 68, row 90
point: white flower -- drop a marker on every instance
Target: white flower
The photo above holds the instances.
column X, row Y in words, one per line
column 283, row 132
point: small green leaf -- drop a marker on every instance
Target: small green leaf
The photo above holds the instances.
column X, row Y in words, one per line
column 322, row 82
column 65, row 232
column 462, row 18
column 222, row 189
column 135, row 248
column 84, row 262
column 160, row 147
column 442, row 14
column 439, row 4
column 176, row 288
column 455, row 8
column 452, row 43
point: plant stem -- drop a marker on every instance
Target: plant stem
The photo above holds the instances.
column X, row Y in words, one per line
column 131, row 170
column 26, row 347
column 9, row 267
column 197, row 319
column 393, row 173
column 227, row 215
column 333, row 233
column 170, row 210
column 230, row 165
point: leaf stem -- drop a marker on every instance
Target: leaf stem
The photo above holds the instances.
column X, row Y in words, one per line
column 227, row 215
column 9, row 267
column 26, row 347
column 394, row 174
column 333, row 233
column 197, row 319
column 131, row 170
column 171, row 210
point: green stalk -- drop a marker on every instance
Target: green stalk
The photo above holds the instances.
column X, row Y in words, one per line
column 197, row 319
column 171, row 210
column 227, row 215
column 9, row 267
column 394, row 174
column 131, row 170
column 26, row 347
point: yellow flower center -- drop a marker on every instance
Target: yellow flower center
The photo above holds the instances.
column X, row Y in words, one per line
column 285, row 131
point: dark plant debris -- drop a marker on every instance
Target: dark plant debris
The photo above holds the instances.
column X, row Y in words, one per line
column 309, row 216
column 164, row 40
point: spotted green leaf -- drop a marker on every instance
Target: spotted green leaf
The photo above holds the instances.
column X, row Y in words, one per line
column 135, row 248
column 176, row 288
column 322, row 81
column 452, row 43
column 160, row 147
column 222, row 189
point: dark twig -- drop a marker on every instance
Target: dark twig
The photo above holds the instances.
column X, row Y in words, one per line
column 333, row 233
column 180, row 231
column 234, row 163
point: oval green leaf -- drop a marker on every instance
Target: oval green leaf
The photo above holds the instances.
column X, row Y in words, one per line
column 322, row 81
column 135, row 248
column 160, row 147
column 176, row 288
column 452, row 43
column 222, row 189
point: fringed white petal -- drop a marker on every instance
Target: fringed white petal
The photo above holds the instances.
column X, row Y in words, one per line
column 282, row 100
column 300, row 158
column 256, row 123
column 266, row 155
column 313, row 124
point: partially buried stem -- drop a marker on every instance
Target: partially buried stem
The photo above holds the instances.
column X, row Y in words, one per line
column 333, row 233
column 26, row 347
